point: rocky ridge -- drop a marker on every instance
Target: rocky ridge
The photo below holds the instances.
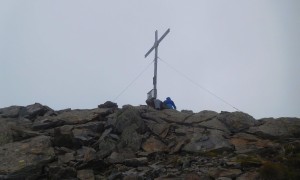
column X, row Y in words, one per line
column 108, row 142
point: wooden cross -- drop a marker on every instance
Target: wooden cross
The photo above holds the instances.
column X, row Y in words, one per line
column 155, row 46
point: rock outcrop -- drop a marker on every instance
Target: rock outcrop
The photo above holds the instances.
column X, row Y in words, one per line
column 108, row 142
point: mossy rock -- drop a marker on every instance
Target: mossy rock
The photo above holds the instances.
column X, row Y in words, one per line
column 212, row 153
column 294, row 161
column 249, row 161
column 292, row 148
column 292, row 155
column 278, row 171
column 5, row 134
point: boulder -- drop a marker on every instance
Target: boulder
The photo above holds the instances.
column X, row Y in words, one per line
column 35, row 110
column 130, row 138
column 20, row 133
column 11, row 112
column 214, row 124
column 160, row 129
column 230, row 173
column 108, row 104
column 248, row 175
column 208, row 141
column 82, row 137
column 25, row 159
column 6, row 134
column 30, row 112
column 277, row 128
column 246, row 143
column 152, row 144
column 201, row 116
column 86, row 154
column 66, row 158
column 56, row 171
column 15, row 129
column 237, row 121
column 64, row 137
column 119, row 157
column 95, row 128
column 136, row 162
column 129, row 116
column 47, row 123
column 106, row 146
column 166, row 115
column 73, row 117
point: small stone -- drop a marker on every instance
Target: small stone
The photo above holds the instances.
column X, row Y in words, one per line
column 136, row 162
column 85, row 174
column 66, row 158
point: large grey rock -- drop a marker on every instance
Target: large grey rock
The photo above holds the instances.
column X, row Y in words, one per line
column 136, row 162
column 35, row 110
column 6, row 134
column 15, row 129
column 30, row 111
column 57, row 171
column 11, row 112
column 230, row 173
column 130, row 138
column 277, row 128
column 237, row 121
column 129, row 116
column 66, row 158
column 153, row 144
column 71, row 118
column 26, row 158
column 201, row 116
column 20, row 133
column 248, row 176
column 208, row 141
column 246, row 143
column 166, row 115
column 86, row 154
column 47, row 123
column 87, row 134
column 160, row 129
column 119, row 157
column 108, row 104
column 95, row 128
column 214, row 124
column 64, row 137
column 106, row 146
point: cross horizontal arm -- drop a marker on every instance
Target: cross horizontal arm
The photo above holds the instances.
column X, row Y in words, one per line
column 157, row 42
column 163, row 36
column 150, row 51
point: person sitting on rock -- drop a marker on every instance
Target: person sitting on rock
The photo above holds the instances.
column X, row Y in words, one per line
column 169, row 103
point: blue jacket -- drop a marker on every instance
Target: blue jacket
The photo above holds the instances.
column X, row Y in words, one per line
column 169, row 103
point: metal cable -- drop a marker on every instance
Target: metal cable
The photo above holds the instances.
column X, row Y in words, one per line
column 197, row 84
column 141, row 73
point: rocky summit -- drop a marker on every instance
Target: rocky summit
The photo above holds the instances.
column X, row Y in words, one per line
column 37, row 142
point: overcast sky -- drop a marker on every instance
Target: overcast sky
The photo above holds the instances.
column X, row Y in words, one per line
column 78, row 54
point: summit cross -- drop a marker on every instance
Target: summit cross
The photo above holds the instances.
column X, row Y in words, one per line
column 155, row 47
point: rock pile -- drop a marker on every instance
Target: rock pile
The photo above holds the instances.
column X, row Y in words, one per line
column 108, row 142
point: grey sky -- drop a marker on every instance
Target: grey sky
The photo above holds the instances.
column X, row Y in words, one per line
column 78, row 54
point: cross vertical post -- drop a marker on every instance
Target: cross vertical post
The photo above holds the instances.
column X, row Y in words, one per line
column 155, row 47
column 155, row 66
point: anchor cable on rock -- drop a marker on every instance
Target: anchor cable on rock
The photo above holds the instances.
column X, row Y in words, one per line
column 197, row 84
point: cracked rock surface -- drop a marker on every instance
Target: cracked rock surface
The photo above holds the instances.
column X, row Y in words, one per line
column 139, row 142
